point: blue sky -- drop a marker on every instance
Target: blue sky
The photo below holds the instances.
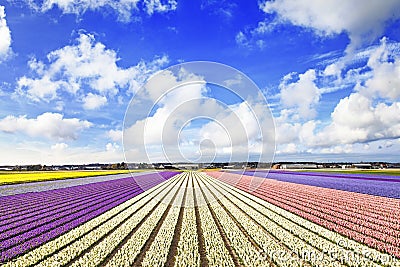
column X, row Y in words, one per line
column 68, row 70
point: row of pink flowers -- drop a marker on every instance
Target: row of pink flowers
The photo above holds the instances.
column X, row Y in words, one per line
column 317, row 202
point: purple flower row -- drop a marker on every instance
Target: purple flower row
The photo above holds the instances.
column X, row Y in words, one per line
column 53, row 206
column 16, row 239
column 51, row 201
column 44, row 237
column 384, row 186
column 12, row 202
column 14, row 189
column 34, row 237
column 31, row 200
column 33, row 222
column 27, row 201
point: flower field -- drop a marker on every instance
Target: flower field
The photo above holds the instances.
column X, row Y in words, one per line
column 198, row 219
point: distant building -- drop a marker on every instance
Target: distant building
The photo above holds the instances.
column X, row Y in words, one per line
column 229, row 167
column 362, row 165
column 186, row 166
column 299, row 166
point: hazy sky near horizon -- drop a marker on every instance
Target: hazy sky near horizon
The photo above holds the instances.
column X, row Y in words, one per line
column 330, row 71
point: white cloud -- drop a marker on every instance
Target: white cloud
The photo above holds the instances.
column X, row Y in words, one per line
column 157, row 86
column 92, row 101
column 60, row 153
column 156, row 6
column 379, row 61
column 370, row 113
column 264, row 27
column 241, row 39
column 290, row 148
column 340, row 149
column 60, row 147
column 5, row 36
column 151, row 129
column 332, row 17
column 115, row 135
column 255, row 37
column 385, row 80
column 125, row 9
column 49, row 125
column 355, row 119
column 42, row 88
column 289, row 130
column 113, row 147
column 302, row 95
column 241, row 125
column 86, row 65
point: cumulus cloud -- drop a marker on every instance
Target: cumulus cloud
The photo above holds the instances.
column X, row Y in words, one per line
column 369, row 114
column 125, row 9
column 5, row 36
column 290, row 148
column 302, row 95
column 357, row 120
column 152, row 127
column 113, row 147
column 332, row 17
column 115, row 135
column 42, row 88
column 92, row 101
column 156, row 6
column 86, row 65
column 49, row 125
column 385, row 74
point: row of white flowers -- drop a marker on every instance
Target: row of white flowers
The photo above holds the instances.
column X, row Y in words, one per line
column 336, row 248
column 157, row 254
column 188, row 250
column 79, row 236
column 87, row 241
column 217, row 253
column 264, row 240
column 248, row 254
column 127, row 254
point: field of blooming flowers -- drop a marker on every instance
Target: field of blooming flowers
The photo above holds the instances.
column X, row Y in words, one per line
column 199, row 219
